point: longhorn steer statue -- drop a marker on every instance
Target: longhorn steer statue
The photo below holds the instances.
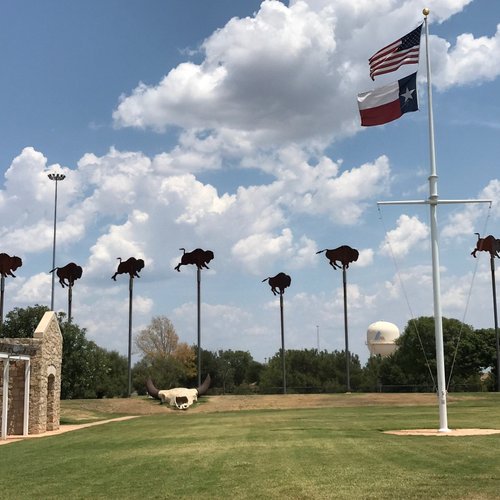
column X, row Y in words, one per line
column 132, row 266
column 279, row 282
column 9, row 264
column 198, row 257
column 179, row 397
column 488, row 244
column 68, row 274
column 343, row 254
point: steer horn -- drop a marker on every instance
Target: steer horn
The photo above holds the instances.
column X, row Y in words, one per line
column 152, row 390
column 204, row 387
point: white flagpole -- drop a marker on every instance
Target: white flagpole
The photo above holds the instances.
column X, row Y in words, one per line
column 436, row 285
column 433, row 202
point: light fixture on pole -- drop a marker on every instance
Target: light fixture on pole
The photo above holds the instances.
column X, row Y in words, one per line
column 56, row 178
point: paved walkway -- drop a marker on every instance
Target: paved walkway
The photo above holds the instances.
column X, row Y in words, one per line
column 62, row 429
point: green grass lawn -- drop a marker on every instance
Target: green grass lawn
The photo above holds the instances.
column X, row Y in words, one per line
column 268, row 454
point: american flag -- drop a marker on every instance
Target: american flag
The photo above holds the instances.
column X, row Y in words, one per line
column 393, row 56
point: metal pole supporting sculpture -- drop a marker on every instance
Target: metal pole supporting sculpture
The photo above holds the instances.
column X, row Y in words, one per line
column 67, row 276
column 56, row 178
column 132, row 267
column 278, row 284
column 8, row 265
column 343, row 255
column 200, row 258
column 492, row 245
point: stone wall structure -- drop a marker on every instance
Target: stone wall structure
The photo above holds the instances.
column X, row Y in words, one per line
column 37, row 360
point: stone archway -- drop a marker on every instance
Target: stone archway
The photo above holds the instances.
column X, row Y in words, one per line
column 52, row 414
column 36, row 408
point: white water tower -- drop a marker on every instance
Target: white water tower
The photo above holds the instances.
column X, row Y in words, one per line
column 381, row 338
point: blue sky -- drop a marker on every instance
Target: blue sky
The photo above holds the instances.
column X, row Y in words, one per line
column 232, row 126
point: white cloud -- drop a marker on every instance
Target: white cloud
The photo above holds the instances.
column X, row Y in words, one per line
column 474, row 217
column 34, row 290
column 365, row 257
column 27, row 203
column 461, row 223
column 233, row 326
column 264, row 248
column 409, row 233
column 470, row 61
column 256, row 75
column 271, row 91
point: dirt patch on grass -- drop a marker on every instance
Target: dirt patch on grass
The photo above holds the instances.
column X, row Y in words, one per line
column 290, row 401
column 78, row 414
column 93, row 409
column 450, row 433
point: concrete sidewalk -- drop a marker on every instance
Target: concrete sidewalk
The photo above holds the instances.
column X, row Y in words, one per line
column 62, row 429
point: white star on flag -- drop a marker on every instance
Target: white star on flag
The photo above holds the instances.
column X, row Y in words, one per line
column 408, row 94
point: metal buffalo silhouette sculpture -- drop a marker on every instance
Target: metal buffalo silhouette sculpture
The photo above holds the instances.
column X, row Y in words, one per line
column 179, row 397
column 279, row 282
column 9, row 264
column 68, row 274
column 343, row 254
column 132, row 266
column 488, row 244
column 200, row 258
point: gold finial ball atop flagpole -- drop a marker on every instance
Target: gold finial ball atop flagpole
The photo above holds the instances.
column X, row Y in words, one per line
column 426, row 11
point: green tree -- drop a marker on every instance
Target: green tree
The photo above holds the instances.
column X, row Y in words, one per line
column 254, row 372
column 167, row 361
column 229, row 370
column 371, row 375
column 90, row 371
column 22, row 322
column 310, row 370
column 158, row 339
column 468, row 351
column 487, row 338
column 76, row 371
column 112, row 376
column 239, row 363
column 165, row 373
column 87, row 370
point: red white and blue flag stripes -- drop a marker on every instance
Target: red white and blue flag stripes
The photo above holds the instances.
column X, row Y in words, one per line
column 389, row 102
column 405, row 50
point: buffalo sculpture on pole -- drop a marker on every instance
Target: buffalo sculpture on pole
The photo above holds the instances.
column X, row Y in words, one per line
column 278, row 283
column 488, row 244
column 340, row 258
column 131, row 266
column 68, row 274
column 9, row 264
column 198, row 257
column 343, row 255
column 492, row 245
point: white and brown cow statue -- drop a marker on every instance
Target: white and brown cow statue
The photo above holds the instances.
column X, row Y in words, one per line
column 179, row 397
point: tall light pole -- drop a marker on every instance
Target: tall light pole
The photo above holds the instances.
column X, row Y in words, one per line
column 57, row 178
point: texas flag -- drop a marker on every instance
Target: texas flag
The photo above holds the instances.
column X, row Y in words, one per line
column 389, row 102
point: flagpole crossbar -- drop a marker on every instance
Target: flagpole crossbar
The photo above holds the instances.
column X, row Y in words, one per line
column 431, row 202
